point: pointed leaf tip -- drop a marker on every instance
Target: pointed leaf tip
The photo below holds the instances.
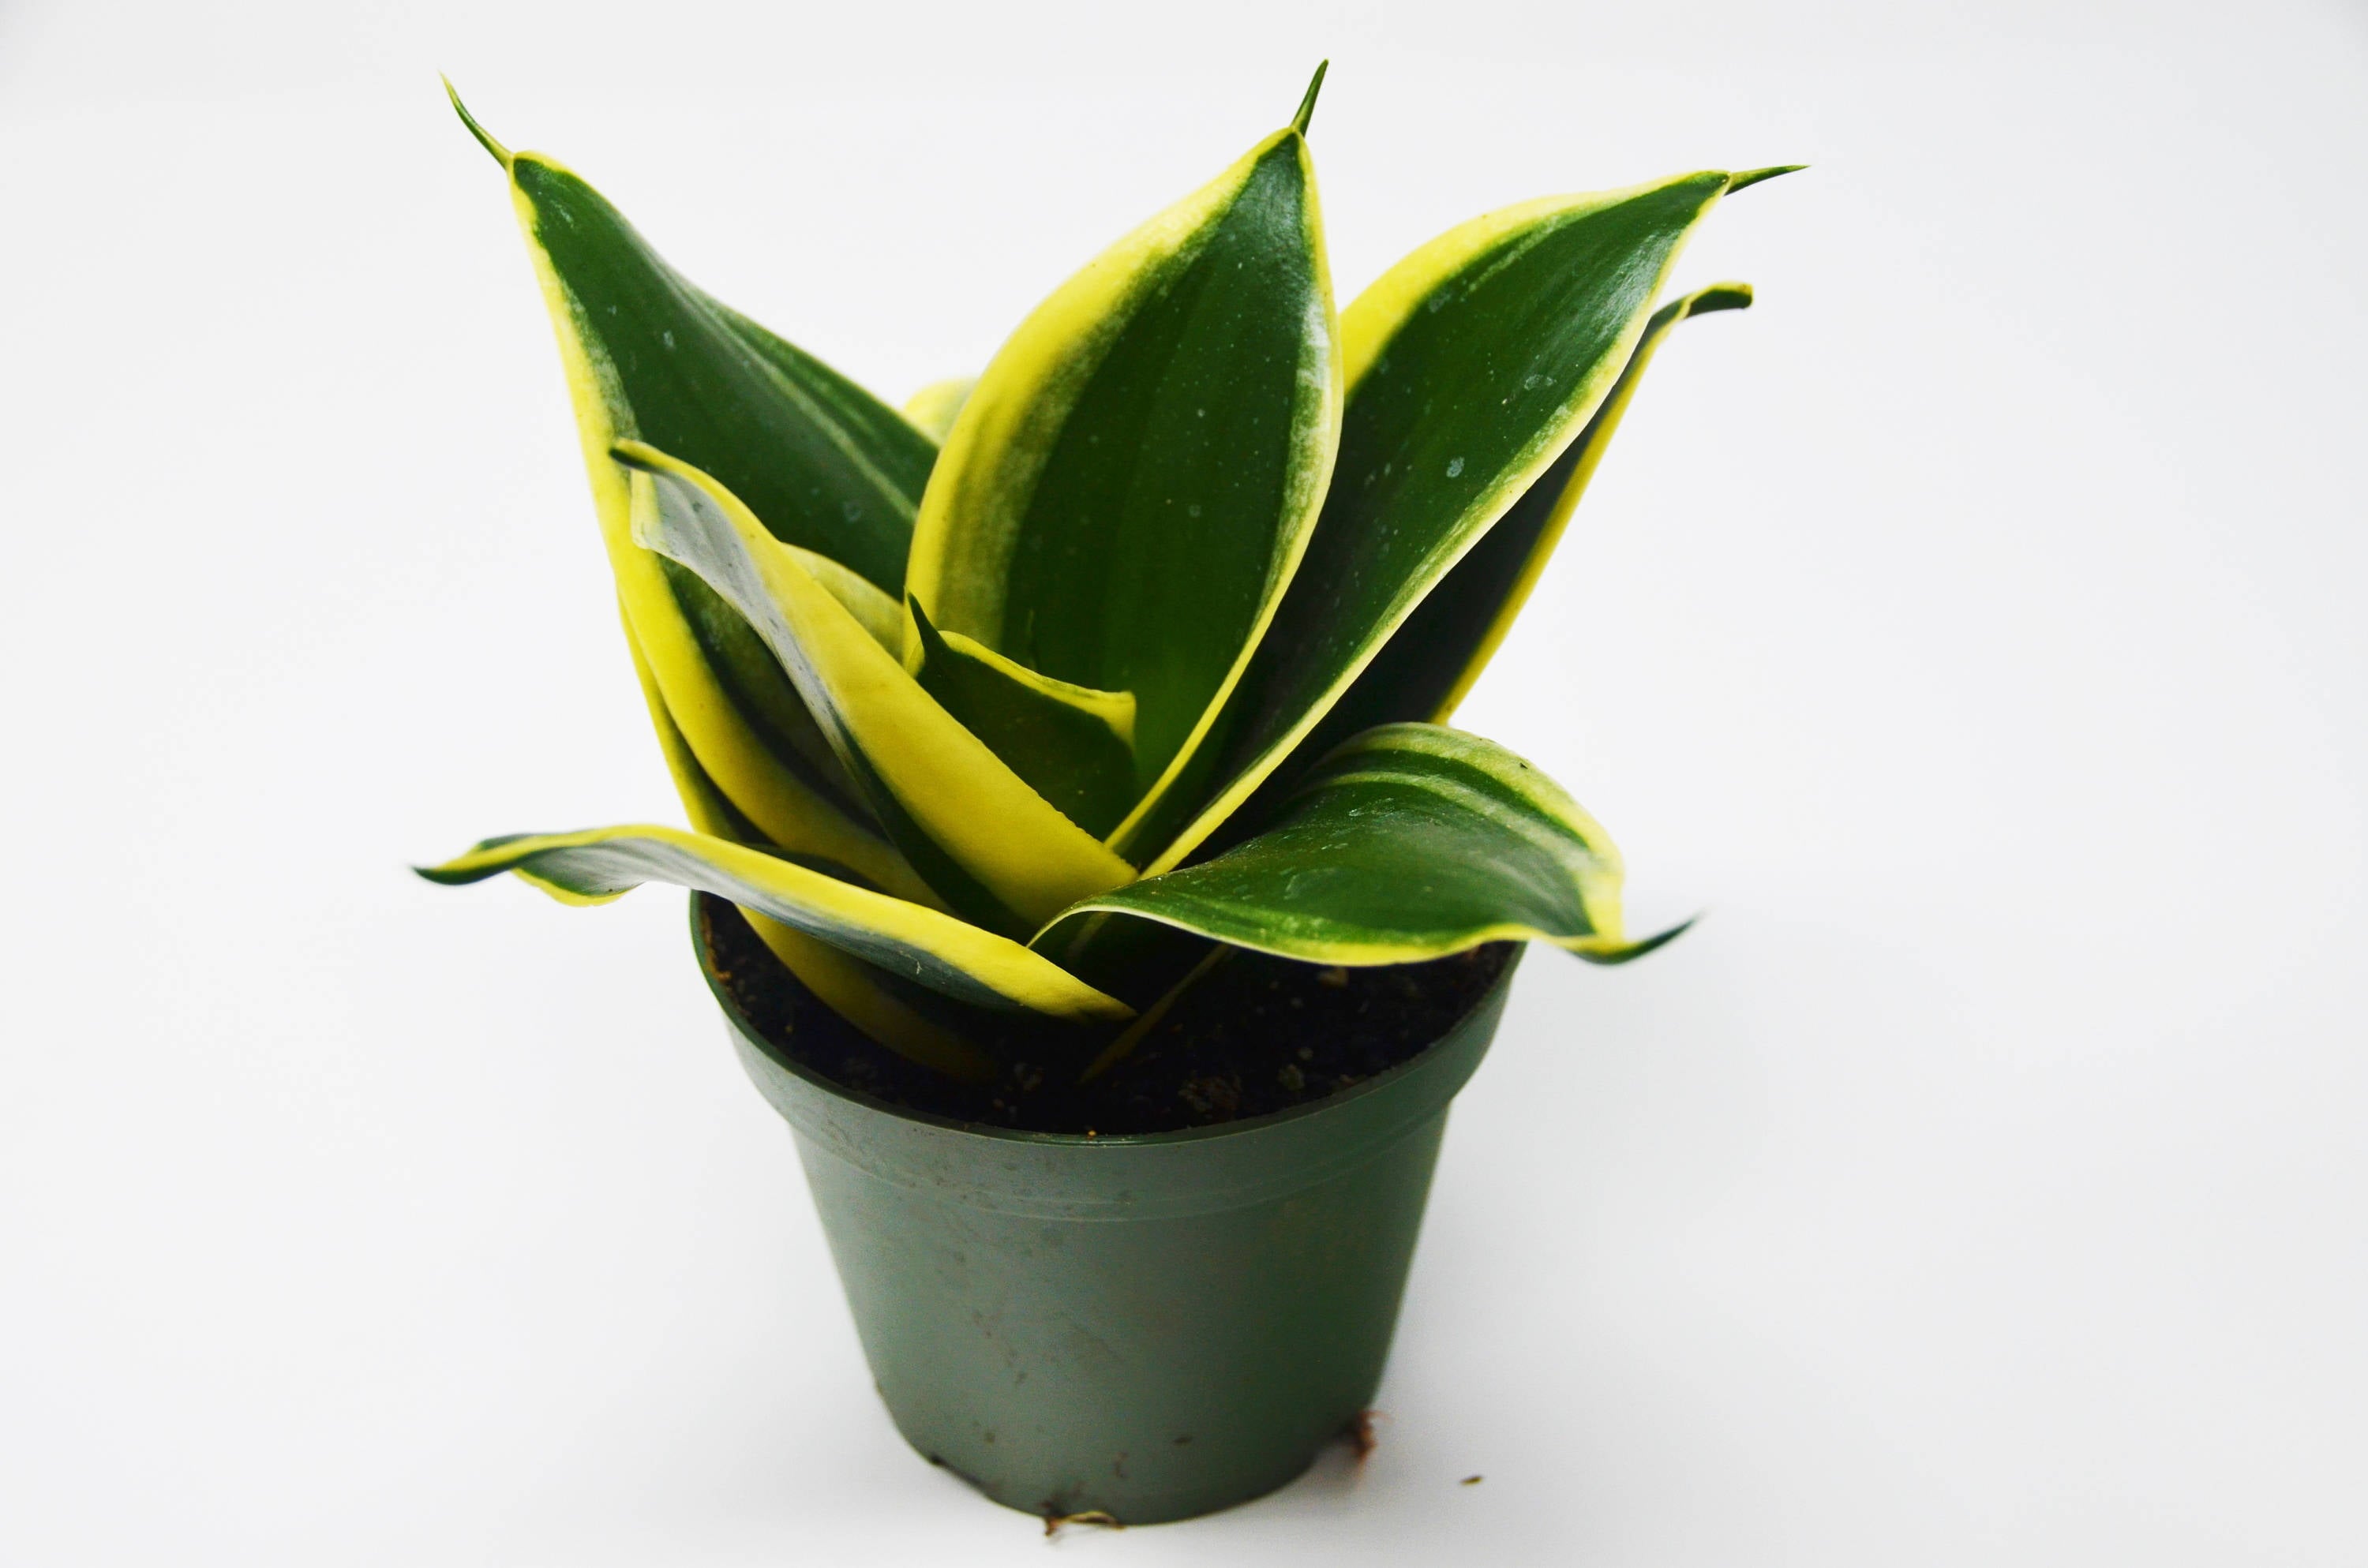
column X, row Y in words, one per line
column 485, row 138
column 1719, row 297
column 1635, row 950
column 1307, row 105
column 1747, row 177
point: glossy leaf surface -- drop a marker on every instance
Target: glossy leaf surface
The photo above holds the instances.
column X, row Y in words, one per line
column 993, row 848
column 938, row 950
column 1127, row 488
column 1472, row 366
column 1411, row 842
column 1431, row 662
column 651, row 357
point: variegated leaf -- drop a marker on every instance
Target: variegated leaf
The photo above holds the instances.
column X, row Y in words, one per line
column 1411, row 842
column 1432, row 660
column 933, row 408
column 651, row 357
column 1473, row 364
column 1073, row 745
column 992, row 847
column 1127, row 489
column 938, row 950
column 858, row 990
column 645, row 352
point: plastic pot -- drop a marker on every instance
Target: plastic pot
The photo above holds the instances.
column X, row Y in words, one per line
column 1153, row 1325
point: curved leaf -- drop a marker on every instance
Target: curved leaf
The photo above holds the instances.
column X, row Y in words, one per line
column 866, row 997
column 945, row 954
column 932, row 409
column 996, row 850
column 737, row 713
column 1126, row 491
column 873, row 610
column 1472, row 366
column 710, row 810
column 1431, row 661
column 860, row 992
column 1073, row 745
column 650, row 357
column 642, row 349
column 1411, row 842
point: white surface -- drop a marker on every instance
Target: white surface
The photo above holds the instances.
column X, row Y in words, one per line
column 1971, row 629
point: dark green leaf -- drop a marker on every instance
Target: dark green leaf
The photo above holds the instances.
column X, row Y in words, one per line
column 1411, row 842
column 1473, row 364
column 822, row 463
column 1431, row 662
column 1071, row 745
column 1122, row 497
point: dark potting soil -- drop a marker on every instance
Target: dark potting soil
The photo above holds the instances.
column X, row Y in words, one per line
column 1254, row 1035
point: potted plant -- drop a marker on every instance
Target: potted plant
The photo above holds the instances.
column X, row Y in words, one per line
column 1079, row 854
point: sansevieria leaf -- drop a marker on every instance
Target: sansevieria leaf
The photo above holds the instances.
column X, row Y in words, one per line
column 1128, row 488
column 824, row 464
column 992, row 846
column 861, row 992
column 945, row 954
column 1010, row 718
column 932, row 409
column 1073, row 745
column 645, row 352
column 1472, row 366
column 748, row 727
column 1431, row 661
column 1411, row 842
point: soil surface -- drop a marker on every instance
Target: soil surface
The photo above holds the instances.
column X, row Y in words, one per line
column 1254, row 1035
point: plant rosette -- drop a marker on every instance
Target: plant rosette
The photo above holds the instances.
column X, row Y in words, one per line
column 1078, row 848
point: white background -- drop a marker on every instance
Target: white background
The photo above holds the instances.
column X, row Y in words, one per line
column 1973, row 629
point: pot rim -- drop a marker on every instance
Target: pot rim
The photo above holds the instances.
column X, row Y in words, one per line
column 747, row 1030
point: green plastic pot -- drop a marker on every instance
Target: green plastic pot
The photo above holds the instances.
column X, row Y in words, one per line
column 1152, row 1326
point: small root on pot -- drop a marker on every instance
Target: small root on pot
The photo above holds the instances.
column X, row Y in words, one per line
column 1053, row 1521
column 1361, row 1434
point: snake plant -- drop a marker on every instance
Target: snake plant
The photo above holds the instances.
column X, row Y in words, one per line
column 1002, row 716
